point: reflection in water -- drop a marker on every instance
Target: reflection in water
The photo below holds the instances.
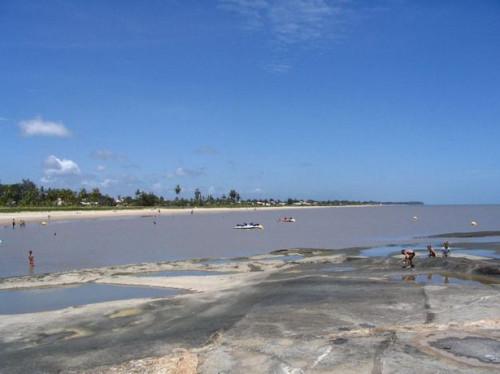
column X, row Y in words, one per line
column 445, row 278
column 408, row 278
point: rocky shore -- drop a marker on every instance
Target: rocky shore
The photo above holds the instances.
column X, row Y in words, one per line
column 292, row 311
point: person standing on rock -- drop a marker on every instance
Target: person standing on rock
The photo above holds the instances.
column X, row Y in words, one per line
column 431, row 251
column 409, row 255
column 446, row 249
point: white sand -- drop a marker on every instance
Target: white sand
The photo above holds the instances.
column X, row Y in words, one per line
column 6, row 218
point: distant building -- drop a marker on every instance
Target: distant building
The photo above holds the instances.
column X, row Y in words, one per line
column 88, row 203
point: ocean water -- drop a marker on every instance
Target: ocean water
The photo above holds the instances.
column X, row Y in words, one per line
column 105, row 242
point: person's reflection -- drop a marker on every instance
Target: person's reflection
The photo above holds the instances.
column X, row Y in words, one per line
column 408, row 278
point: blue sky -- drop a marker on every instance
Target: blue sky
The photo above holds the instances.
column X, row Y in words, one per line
column 384, row 100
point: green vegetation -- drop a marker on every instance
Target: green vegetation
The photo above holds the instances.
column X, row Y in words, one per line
column 28, row 196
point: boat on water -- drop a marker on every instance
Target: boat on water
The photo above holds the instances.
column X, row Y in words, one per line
column 248, row 226
column 287, row 220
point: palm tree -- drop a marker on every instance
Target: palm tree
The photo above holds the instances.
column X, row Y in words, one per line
column 178, row 190
column 197, row 195
column 232, row 195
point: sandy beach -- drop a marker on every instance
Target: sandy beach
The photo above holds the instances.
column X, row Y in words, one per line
column 40, row 216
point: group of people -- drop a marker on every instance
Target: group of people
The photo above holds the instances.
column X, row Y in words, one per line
column 409, row 254
column 445, row 250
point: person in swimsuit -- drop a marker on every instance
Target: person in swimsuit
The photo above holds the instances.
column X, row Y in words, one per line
column 446, row 249
column 31, row 259
column 431, row 251
column 408, row 254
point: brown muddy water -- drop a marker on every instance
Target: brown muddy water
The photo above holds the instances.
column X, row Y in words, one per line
column 62, row 246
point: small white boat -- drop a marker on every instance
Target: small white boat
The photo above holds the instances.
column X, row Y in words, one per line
column 473, row 223
column 287, row 220
column 248, row 226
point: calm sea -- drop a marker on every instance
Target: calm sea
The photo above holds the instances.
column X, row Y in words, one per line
column 104, row 242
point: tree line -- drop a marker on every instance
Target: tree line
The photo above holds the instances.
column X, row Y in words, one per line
column 28, row 194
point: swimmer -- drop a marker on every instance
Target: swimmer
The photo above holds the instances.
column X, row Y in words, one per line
column 13, row 223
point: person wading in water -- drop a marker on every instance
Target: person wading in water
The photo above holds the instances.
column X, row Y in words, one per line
column 31, row 259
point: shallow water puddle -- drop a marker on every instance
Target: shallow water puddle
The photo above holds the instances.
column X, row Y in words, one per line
column 183, row 273
column 484, row 239
column 52, row 298
column 477, row 252
column 220, row 261
column 286, row 258
column 385, row 251
column 337, row 268
column 438, row 279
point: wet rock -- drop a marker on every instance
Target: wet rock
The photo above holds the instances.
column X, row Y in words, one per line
column 253, row 267
column 339, row 341
column 483, row 349
column 489, row 270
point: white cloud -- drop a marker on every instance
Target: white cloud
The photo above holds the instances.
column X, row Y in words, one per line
column 157, row 186
column 180, row 172
column 87, row 183
column 278, row 68
column 101, row 168
column 39, row 127
column 288, row 22
column 54, row 167
column 108, row 182
column 184, row 172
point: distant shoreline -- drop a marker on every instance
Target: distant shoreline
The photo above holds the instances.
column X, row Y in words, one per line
column 63, row 215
